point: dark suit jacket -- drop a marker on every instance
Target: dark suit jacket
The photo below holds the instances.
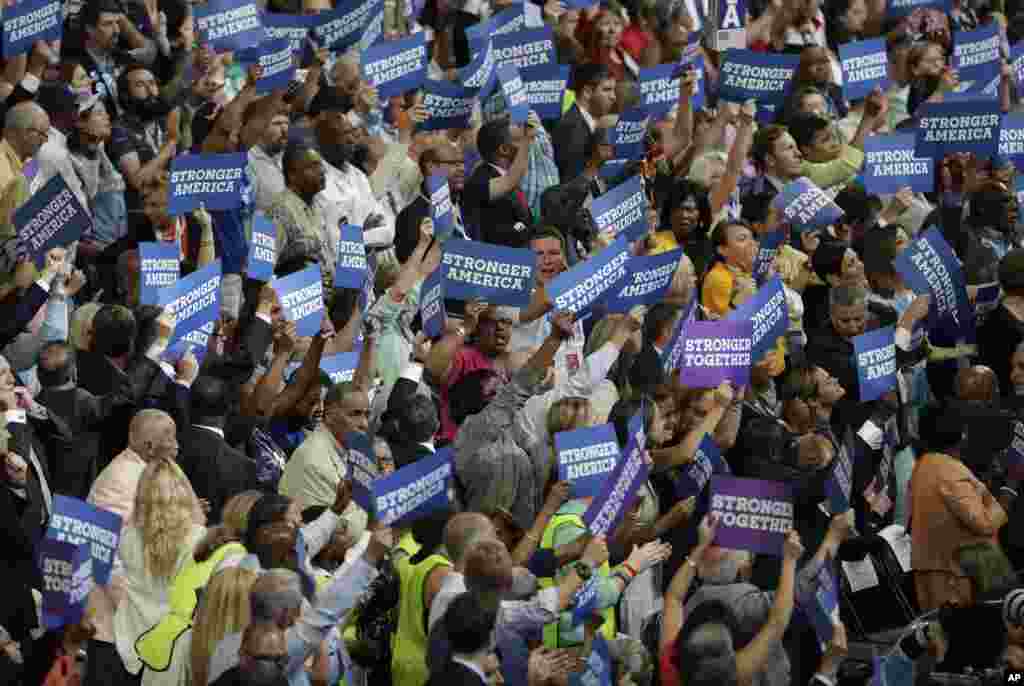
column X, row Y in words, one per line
column 494, row 221
column 150, row 388
column 455, row 674
column 73, row 465
column 217, row 471
column 407, row 227
column 570, row 141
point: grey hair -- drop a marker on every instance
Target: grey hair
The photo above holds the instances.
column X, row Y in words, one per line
column 21, row 115
column 847, row 296
column 276, row 591
column 725, row 570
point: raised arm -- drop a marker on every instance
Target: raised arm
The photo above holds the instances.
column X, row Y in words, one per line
column 675, row 597
column 753, row 657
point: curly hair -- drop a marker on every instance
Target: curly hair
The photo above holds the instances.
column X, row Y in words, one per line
column 165, row 505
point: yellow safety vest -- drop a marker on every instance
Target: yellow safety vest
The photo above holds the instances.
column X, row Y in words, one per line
column 155, row 647
column 409, row 646
column 548, row 542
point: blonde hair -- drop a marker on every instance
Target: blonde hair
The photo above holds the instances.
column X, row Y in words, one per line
column 165, row 505
column 80, row 320
column 565, row 414
column 789, row 264
column 235, row 514
column 700, row 168
column 224, row 610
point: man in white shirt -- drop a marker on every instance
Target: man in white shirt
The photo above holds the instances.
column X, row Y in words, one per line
column 265, row 171
column 347, row 197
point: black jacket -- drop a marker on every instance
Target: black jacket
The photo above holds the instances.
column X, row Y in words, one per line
column 455, row 674
column 216, row 470
column 570, row 142
column 501, row 221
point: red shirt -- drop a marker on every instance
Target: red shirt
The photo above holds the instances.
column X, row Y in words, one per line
column 467, row 359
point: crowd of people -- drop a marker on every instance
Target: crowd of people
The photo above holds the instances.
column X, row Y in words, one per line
column 243, row 558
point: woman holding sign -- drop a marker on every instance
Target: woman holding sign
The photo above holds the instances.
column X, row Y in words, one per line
column 730, row 280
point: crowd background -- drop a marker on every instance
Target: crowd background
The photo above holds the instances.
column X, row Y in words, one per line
column 243, row 558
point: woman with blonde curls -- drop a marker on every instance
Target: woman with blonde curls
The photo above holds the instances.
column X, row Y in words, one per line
column 156, row 543
column 223, row 611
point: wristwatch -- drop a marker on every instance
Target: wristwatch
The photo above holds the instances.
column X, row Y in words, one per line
column 583, row 570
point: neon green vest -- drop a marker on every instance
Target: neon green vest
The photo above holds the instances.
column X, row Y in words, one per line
column 548, row 542
column 409, row 646
column 156, row 646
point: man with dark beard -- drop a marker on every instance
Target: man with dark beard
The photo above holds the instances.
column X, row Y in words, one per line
column 347, row 197
column 446, row 160
column 141, row 145
column 265, row 161
column 301, row 233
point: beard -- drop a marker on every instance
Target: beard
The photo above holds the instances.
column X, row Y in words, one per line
column 341, row 154
column 149, row 108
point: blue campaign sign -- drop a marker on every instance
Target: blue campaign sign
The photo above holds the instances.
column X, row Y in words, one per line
column 480, row 74
column 195, row 303
column 432, row 312
column 292, row 27
column 278, row 61
column 1015, row 453
column 531, row 48
column 1011, row 139
column 986, row 300
column 648, row 281
column 415, row 490
column 211, row 181
column 344, row 27
column 52, row 217
column 302, row 298
column 159, row 267
column 976, row 54
column 692, row 478
column 895, row 9
column 928, row 265
column 449, row 106
column 770, row 316
column 507, row 21
column 627, row 139
column 622, row 210
column 30, row 21
column 77, row 522
column 821, row 604
column 351, row 269
column 262, row 248
column 1017, row 62
column 584, row 603
column 599, row 670
column 840, row 484
column 514, row 91
column 442, row 212
column 865, row 66
column 659, row 90
column 590, row 280
column 340, row 367
column 621, row 487
column 66, row 570
column 765, row 77
column 363, row 470
column 545, row 88
column 805, row 206
column 673, row 353
column 492, row 273
column 875, row 355
column 586, row 457
column 229, row 25
column 395, row 67
column 890, row 164
column 767, row 251
column 968, row 125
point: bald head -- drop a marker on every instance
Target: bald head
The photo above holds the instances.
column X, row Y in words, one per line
column 977, row 384
column 488, row 567
column 151, row 435
column 462, row 531
column 263, row 653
